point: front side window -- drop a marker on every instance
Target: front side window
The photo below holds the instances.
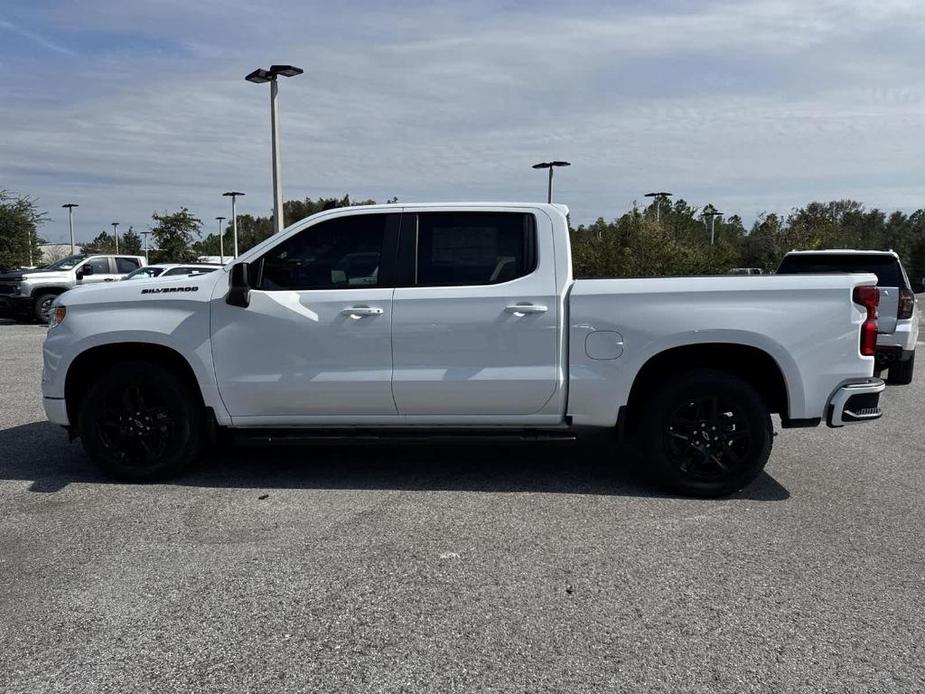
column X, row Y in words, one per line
column 342, row 253
column 472, row 248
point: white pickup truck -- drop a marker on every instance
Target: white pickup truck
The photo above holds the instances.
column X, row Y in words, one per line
column 452, row 320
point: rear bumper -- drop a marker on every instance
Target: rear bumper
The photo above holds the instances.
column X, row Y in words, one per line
column 854, row 403
column 887, row 355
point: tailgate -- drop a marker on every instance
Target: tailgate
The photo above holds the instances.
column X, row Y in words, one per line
column 887, row 310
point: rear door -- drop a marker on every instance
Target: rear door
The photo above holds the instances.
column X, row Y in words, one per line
column 475, row 332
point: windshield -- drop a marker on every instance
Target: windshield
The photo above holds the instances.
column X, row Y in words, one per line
column 145, row 273
column 885, row 267
column 67, row 263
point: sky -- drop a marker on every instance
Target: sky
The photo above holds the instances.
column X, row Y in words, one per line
column 128, row 108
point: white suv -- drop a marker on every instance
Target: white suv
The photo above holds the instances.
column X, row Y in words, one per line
column 898, row 313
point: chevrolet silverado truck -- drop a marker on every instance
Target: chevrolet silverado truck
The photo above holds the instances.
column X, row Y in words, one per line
column 457, row 320
column 29, row 294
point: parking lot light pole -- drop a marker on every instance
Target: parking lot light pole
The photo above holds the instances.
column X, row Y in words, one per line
column 713, row 214
column 550, row 165
column 259, row 76
column 70, row 221
column 658, row 197
column 145, row 234
column 221, row 241
column 233, row 194
column 115, row 232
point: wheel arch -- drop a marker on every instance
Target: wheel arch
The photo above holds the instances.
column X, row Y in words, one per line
column 48, row 290
column 98, row 359
column 752, row 364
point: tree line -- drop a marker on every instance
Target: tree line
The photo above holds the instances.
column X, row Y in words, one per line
column 647, row 241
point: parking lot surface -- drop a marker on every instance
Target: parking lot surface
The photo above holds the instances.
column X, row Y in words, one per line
column 541, row 567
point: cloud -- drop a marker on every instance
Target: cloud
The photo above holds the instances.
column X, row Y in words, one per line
column 752, row 106
column 35, row 38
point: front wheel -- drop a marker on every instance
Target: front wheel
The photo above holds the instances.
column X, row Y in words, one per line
column 141, row 422
column 706, row 433
column 42, row 307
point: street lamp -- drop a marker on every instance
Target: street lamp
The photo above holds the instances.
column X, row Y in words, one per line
column 221, row 241
column 658, row 197
column 259, row 76
column 115, row 232
column 145, row 234
column 70, row 221
column 550, row 165
column 233, row 194
column 712, row 214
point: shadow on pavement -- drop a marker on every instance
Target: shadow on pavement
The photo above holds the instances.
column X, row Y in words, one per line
column 39, row 452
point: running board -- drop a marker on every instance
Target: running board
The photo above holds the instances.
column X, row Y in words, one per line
column 295, row 437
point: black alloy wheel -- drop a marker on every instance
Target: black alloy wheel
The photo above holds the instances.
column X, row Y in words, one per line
column 706, row 432
column 141, row 422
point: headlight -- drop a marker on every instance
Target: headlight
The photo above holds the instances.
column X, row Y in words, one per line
column 57, row 316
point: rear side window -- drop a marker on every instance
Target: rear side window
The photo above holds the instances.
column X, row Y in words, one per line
column 473, row 248
column 885, row 267
column 126, row 265
column 100, row 265
column 342, row 253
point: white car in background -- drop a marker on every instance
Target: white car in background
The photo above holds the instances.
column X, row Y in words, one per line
column 898, row 313
column 171, row 270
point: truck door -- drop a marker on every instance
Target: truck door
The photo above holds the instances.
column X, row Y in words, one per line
column 315, row 338
column 476, row 332
column 95, row 270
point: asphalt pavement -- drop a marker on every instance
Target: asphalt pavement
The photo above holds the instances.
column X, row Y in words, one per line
column 537, row 568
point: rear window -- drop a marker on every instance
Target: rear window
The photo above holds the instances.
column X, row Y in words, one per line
column 885, row 267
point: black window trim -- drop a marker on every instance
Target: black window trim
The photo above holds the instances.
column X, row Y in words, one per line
column 387, row 260
column 407, row 253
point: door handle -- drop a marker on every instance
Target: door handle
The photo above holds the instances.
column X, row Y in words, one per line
column 524, row 309
column 360, row 311
column 109, row 279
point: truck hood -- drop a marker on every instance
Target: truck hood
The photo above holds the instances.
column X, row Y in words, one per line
column 144, row 291
column 20, row 275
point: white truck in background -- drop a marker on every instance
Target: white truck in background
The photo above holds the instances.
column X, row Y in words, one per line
column 457, row 320
column 29, row 294
column 897, row 314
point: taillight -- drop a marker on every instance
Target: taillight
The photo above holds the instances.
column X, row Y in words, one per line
column 868, row 297
column 906, row 303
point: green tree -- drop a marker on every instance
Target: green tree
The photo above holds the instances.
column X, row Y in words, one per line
column 174, row 235
column 130, row 242
column 20, row 219
column 103, row 243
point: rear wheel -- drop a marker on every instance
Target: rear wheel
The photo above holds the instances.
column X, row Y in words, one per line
column 706, row 433
column 42, row 306
column 900, row 373
column 141, row 422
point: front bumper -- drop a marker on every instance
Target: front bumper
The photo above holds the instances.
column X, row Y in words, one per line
column 16, row 305
column 854, row 403
column 56, row 411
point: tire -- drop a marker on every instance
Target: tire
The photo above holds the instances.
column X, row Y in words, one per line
column 141, row 422
column 42, row 307
column 705, row 433
column 900, row 373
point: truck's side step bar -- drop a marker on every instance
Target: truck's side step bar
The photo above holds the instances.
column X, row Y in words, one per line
column 295, row 437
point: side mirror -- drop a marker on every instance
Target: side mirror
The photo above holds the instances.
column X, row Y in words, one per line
column 84, row 271
column 239, row 288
